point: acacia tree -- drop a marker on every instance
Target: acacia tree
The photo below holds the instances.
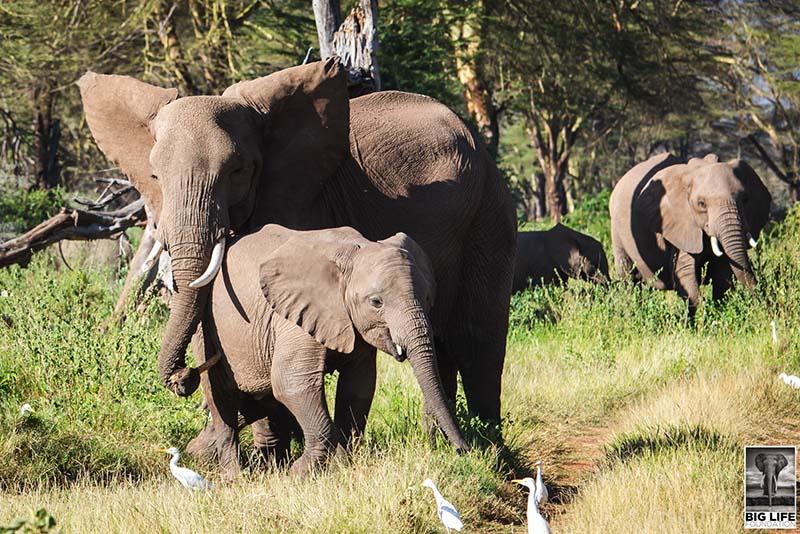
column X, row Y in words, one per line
column 576, row 68
column 43, row 48
column 764, row 49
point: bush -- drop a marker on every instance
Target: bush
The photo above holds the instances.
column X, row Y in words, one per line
column 21, row 210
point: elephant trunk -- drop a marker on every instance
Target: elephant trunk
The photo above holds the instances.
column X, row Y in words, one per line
column 771, row 482
column 419, row 345
column 732, row 236
column 186, row 307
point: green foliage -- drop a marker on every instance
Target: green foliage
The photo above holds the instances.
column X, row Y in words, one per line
column 21, row 210
column 40, row 522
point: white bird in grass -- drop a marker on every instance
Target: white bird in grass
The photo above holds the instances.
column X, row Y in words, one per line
column 536, row 523
column 792, row 380
column 541, row 493
column 188, row 478
column 25, row 410
column 448, row 514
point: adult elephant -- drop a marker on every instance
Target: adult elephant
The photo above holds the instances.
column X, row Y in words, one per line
column 671, row 218
column 770, row 466
column 556, row 254
column 291, row 148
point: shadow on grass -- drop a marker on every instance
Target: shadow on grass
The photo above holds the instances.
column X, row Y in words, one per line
column 661, row 439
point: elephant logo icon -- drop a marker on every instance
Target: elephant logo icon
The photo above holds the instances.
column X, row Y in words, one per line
column 770, row 488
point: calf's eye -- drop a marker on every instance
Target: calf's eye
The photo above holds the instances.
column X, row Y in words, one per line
column 376, row 302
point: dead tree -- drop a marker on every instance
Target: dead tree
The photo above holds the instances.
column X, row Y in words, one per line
column 355, row 41
column 95, row 221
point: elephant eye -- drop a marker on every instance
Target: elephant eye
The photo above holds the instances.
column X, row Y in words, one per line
column 376, row 301
column 701, row 204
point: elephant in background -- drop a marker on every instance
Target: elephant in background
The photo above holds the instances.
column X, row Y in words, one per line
column 671, row 218
column 551, row 256
column 291, row 148
column 290, row 305
column 770, row 465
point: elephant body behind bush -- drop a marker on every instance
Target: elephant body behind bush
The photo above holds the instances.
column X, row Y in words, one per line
column 672, row 219
column 289, row 305
column 546, row 257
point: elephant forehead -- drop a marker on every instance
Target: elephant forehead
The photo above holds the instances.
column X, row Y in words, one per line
column 193, row 114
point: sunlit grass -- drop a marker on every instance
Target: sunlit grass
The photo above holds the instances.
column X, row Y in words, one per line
column 639, row 416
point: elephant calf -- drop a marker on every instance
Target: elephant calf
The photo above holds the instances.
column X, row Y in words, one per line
column 289, row 305
column 671, row 218
column 558, row 253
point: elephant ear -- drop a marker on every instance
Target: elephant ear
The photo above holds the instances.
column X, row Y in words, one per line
column 664, row 205
column 306, row 114
column 420, row 259
column 758, row 203
column 782, row 462
column 119, row 110
column 303, row 283
column 760, row 462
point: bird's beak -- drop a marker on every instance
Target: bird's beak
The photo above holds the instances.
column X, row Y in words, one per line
column 518, row 481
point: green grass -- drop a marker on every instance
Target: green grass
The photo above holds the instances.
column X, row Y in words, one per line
column 639, row 416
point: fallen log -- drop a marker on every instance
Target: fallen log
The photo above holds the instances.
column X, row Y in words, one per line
column 79, row 224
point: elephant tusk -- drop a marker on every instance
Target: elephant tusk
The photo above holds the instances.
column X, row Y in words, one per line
column 152, row 256
column 213, row 265
column 715, row 246
column 753, row 243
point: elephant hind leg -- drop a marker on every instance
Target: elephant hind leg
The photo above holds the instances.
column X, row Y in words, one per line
column 623, row 263
column 272, row 435
column 477, row 326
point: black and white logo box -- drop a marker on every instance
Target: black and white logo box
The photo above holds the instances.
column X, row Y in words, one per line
column 770, row 495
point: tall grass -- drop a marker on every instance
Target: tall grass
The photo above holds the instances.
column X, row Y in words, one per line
column 638, row 415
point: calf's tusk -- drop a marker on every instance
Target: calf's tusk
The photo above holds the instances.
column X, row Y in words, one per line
column 753, row 242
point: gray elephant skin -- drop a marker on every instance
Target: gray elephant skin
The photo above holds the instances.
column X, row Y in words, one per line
column 770, row 466
column 289, row 305
column 671, row 220
column 552, row 256
column 291, row 148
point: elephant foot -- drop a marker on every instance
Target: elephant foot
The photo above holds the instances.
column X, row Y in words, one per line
column 307, row 463
column 203, row 446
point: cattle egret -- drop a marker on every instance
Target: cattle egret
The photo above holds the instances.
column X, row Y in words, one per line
column 536, row 523
column 541, row 490
column 188, row 478
column 791, row 380
column 448, row 514
column 25, row 410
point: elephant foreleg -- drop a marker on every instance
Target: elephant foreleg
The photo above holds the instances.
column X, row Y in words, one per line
column 721, row 278
column 686, row 280
column 298, row 369
column 354, row 392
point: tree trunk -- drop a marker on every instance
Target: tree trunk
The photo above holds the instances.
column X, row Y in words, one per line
column 355, row 41
column 555, row 191
column 327, row 15
column 467, row 38
column 173, row 53
column 46, row 132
